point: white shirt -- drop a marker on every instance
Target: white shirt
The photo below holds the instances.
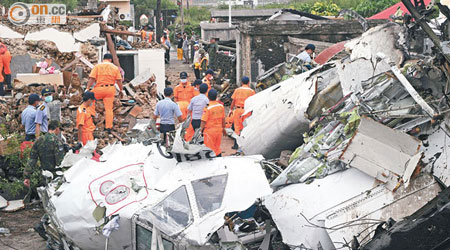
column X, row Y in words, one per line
column 304, row 56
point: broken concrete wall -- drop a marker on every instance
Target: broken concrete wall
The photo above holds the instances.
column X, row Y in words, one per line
column 263, row 37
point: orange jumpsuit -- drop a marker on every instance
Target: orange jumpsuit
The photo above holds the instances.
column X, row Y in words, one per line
column 105, row 75
column 207, row 82
column 184, row 108
column 184, row 93
column 213, row 116
column 84, row 117
column 239, row 96
column 6, row 58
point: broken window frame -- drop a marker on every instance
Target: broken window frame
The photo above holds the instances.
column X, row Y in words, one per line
column 196, row 198
column 134, row 227
column 191, row 210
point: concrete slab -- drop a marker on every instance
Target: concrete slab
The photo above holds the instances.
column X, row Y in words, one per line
column 14, row 206
column 64, row 41
column 89, row 32
column 29, row 78
column 6, row 32
column 3, row 202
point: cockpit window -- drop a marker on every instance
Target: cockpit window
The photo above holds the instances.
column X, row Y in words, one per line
column 174, row 213
column 209, row 193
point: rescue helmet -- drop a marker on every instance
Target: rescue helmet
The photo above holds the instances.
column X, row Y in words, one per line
column 183, row 75
column 88, row 96
column 33, row 98
column 311, row 47
column 245, row 80
column 212, row 95
column 168, row 91
column 107, row 56
column 203, row 88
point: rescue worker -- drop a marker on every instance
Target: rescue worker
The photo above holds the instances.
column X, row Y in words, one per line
column 106, row 75
column 179, row 47
column 195, row 108
column 48, row 150
column 239, row 96
column 196, row 61
column 204, row 62
column 212, row 52
column 183, row 105
column 305, row 56
column 213, row 123
column 167, row 110
column 6, row 58
column 29, row 117
column 43, row 112
column 146, row 34
column 208, row 78
column 2, row 79
column 196, row 86
column 85, row 118
column 183, row 92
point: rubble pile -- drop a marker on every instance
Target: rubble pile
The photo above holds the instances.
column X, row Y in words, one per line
column 126, row 110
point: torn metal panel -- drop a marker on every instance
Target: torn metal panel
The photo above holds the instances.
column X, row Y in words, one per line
column 143, row 181
column 278, row 113
column 427, row 228
column 328, row 211
column 378, row 151
column 362, row 64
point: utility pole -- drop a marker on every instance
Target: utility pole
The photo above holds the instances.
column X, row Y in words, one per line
column 158, row 21
column 229, row 13
column 182, row 16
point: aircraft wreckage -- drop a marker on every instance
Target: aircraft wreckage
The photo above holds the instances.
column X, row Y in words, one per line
column 371, row 140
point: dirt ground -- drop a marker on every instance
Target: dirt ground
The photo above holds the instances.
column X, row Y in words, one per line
column 173, row 71
column 20, row 224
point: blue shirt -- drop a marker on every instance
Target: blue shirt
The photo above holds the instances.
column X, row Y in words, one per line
column 42, row 117
column 304, row 56
column 28, row 116
column 167, row 110
column 197, row 105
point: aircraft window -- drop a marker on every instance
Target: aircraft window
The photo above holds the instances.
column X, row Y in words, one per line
column 174, row 213
column 209, row 193
column 144, row 240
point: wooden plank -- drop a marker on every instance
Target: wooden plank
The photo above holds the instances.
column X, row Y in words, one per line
column 119, row 32
column 112, row 49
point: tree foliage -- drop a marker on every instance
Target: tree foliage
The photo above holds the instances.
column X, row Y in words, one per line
column 366, row 8
column 146, row 7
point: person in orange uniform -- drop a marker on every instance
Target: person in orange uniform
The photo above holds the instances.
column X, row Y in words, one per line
column 196, row 85
column 184, row 109
column 213, row 123
column 2, row 79
column 239, row 96
column 6, row 59
column 85, row 123
column 183, row 92
column 208, row 78
column 106, row 75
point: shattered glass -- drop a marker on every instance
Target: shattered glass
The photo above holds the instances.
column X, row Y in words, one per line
column 144, row 240
column 209, row 193
column 174, row 213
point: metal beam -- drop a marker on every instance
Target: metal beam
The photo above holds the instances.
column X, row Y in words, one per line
column 425, row 27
